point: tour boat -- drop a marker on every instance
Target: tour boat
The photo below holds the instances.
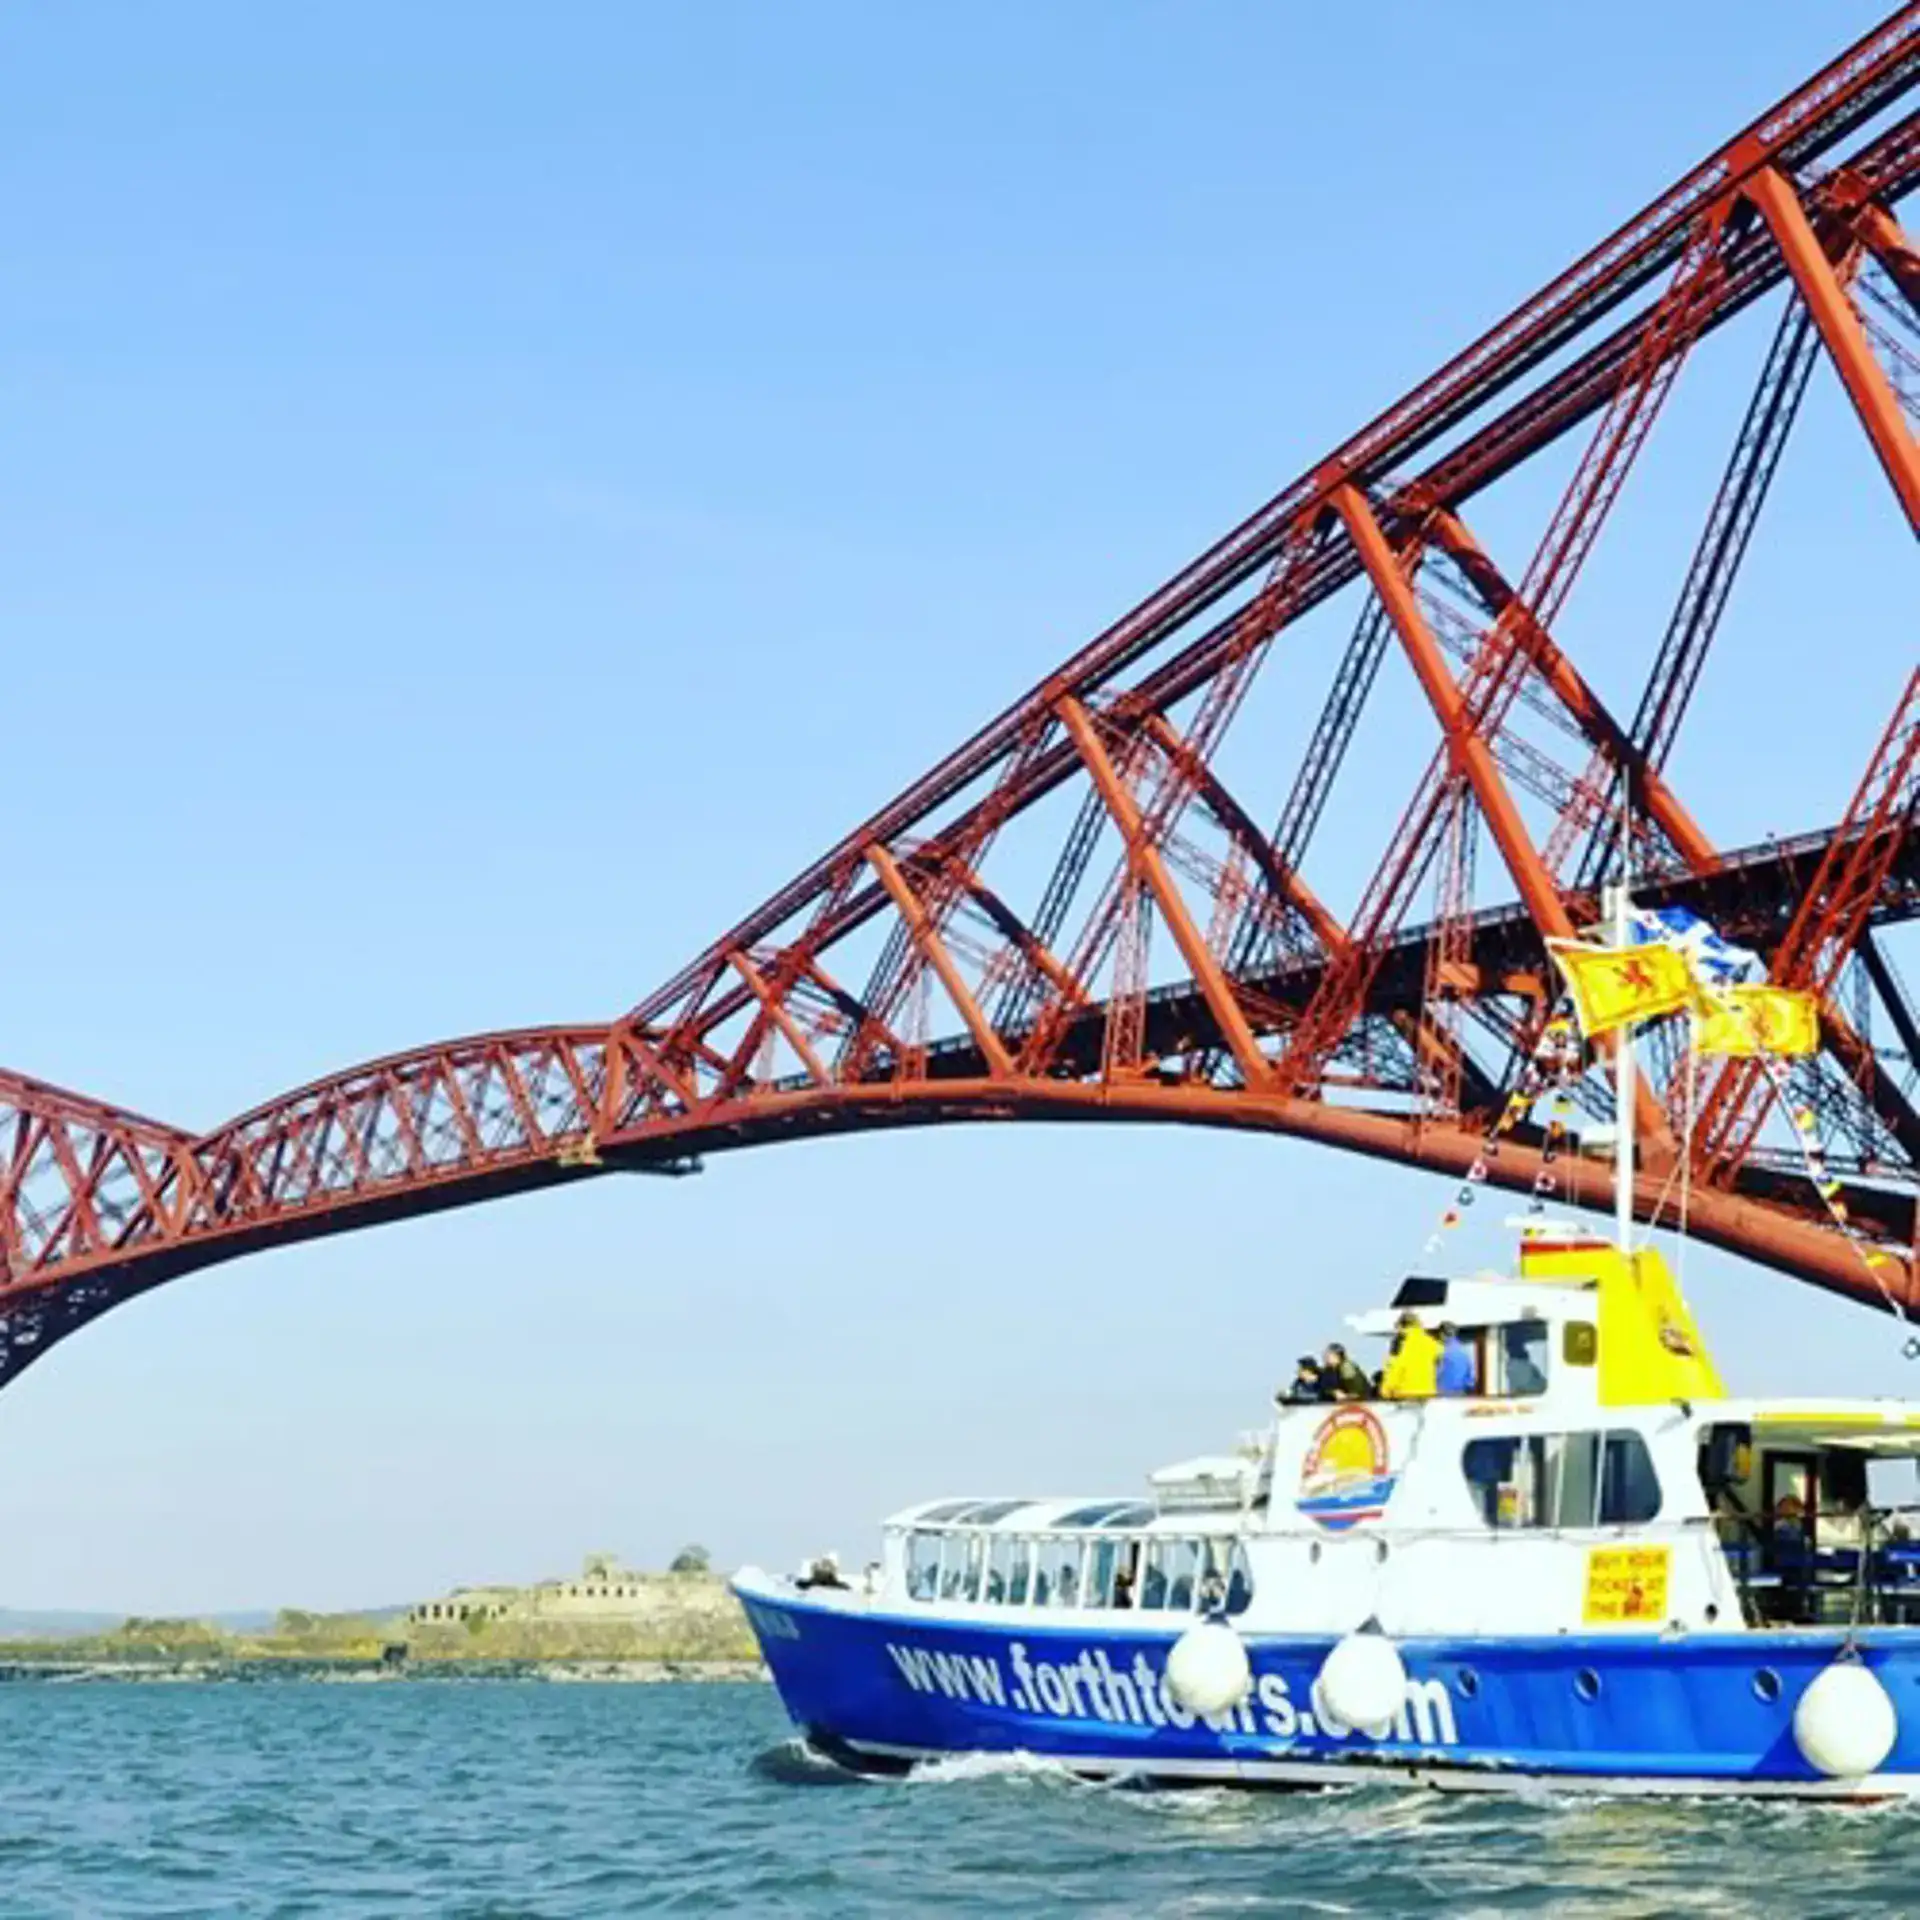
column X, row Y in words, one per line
column 1597, row 1569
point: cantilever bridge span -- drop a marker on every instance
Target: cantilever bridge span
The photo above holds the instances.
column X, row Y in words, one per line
column 1082, row 913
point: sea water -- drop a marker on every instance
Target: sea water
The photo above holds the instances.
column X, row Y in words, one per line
column 501, row 1798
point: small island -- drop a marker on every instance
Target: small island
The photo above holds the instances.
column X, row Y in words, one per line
column 607, row 1622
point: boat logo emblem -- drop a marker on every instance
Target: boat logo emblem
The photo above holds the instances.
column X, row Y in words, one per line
column 1345, row 1479
column 1674, row 1338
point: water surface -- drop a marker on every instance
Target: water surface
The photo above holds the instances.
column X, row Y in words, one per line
column 502, row 1798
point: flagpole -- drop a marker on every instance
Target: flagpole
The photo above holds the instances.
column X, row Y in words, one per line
column 1692, row 1071
column 1623, row 1062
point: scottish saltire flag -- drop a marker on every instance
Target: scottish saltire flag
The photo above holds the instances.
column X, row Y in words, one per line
column 1715, row 962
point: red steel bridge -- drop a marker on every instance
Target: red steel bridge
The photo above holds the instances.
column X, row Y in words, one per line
column 1075, row 916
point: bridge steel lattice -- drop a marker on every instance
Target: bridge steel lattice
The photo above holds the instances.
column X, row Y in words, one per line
column 984, row 947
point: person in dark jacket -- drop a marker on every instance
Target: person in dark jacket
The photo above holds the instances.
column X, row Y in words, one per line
column 1305, row 1384
column 1341, row 1376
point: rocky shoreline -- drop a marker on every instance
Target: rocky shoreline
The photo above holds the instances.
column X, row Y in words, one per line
column 671, row 1627
column 56, row 1668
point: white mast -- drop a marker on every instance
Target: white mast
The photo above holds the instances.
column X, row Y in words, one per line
column 1623, row 1063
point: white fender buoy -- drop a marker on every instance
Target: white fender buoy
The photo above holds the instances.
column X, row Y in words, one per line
column 1362, row 1683
column 1845, row 1723
column 1207, row 1669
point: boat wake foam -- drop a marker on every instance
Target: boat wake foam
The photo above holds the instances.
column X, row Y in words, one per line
column 962, row 1768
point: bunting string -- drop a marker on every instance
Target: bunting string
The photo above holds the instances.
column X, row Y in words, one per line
column 1828, row 1186
column 1675, row 959
column 1554, row 1059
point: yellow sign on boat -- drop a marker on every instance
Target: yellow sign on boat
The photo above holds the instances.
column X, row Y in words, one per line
column 1626, row 1583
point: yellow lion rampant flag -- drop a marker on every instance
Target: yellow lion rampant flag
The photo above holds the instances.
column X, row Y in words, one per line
column 1613, row 985
column 1753, row 1020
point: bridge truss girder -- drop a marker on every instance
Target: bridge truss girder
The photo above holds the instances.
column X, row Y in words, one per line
column 902, row 980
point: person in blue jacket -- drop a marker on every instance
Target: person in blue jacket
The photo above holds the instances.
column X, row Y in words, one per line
column 1458, row 1371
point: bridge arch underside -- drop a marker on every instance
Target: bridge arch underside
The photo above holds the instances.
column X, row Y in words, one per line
column 249, row 1193
column 1773, row 1219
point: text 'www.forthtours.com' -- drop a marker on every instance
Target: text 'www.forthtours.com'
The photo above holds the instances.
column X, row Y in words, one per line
column 1091, row 1686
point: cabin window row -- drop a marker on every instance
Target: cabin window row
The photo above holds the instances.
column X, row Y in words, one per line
column 1562, row 1479
column 1154, row 1574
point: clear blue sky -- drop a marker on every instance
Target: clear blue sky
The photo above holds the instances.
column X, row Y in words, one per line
column 492, row 490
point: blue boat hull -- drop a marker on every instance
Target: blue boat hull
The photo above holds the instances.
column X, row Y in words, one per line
column 1646, row 1712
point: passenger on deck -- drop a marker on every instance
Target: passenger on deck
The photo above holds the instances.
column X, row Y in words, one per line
column 1457, row 1371
column 1341, row 1377
column 1305, row 1384
column 1840, row 1525
column 1789, row 1554
column 823, row 1571
column 1413, row 1367
column 1787, row 1531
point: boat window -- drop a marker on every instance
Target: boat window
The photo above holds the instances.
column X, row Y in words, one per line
column 1892, row 1482
column 984, row 1513
column 1056, row 1578
column 1629, row 1486
column 1224, row 1584
column 1843, row 1480
column 946, row 1510
column 1181, row 1583
column 1239, row 1580
column 1091, row 1516
column 1580, row 1343
column 1726, row 1465
column 1102, row 1563
column 923, row 1565
column 1488, row 1467
column 961, row 1565
column 1169, row 1574
column 1066, row 1592
column 1523, row 1357
column 1575, row 1498
column 1503, row 1475
column 1108, row 1513
column 1153, row 1575
column 1004, row 1552
column 1020, row 1573
column 1562, row 1479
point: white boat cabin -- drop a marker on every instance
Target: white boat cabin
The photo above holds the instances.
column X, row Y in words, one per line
column 1597, row 1478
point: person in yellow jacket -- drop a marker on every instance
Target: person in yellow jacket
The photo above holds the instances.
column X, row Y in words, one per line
column 1413, row 1367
